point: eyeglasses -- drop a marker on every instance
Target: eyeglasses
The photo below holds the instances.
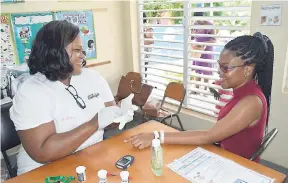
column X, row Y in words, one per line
column 80, row 102
column 79, row 51
column 225, row 68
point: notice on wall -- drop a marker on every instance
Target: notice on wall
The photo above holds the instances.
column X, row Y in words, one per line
column 7, row 52
column 11, row 1
column 25, row 28
column 271, row 15
column 84, row 20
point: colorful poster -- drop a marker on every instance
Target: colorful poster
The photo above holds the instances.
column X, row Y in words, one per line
column 84, row 20
column 271, row 15
column 7, row 52
column 25, row 28
column 11, row 1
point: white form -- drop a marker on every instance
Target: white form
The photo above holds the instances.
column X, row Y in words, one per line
column 202, row 166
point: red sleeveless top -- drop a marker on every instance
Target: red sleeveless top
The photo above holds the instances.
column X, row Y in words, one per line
column 246, row 142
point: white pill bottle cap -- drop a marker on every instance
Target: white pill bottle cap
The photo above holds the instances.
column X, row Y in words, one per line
column 102, row 174
column 80, row 169
column 124, row 175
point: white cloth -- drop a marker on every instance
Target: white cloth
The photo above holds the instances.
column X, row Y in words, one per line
column 38, row 101
column 107, row 115
column 128, row 111
column 115, row 114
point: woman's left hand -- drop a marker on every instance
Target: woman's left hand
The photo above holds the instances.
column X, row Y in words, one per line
column 141, row 140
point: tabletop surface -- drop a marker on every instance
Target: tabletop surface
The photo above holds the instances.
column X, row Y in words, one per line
column 105, row 154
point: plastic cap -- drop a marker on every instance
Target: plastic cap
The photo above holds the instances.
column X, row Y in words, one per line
column 80, row 169
column 102, row 174
column 155, row 142
column 124, row 175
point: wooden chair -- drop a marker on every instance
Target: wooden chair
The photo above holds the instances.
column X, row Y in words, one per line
column 177, row 92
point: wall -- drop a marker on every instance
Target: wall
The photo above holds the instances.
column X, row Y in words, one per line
column 131, row 33
column 277, row 152
column 285, row 77
column 109, row 21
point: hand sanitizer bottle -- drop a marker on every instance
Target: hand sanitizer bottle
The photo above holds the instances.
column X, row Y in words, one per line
column 156, row 157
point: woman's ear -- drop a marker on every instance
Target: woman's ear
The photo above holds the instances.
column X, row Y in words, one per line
column 248, row 70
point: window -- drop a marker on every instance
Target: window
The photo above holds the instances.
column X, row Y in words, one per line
column 181, row 41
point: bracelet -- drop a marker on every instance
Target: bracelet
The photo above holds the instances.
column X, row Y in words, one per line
column 162, row 136
column 156, row 135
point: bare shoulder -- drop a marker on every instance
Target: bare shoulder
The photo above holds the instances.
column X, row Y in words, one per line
column 252, row 100
column 250, row 103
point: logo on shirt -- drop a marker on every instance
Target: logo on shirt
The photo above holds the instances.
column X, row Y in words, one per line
column 240, row 181
column 66, row 118
column 93, row 95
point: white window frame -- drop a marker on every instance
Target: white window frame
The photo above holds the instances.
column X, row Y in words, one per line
column 186, row 45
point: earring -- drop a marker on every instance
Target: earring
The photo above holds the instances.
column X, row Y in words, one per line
column 246, row 75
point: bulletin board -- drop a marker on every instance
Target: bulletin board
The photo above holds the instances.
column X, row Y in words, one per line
column 7, row 50
column 25, row 27
column 84, row 20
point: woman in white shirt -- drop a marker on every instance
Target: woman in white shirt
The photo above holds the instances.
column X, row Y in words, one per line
column 57, row 110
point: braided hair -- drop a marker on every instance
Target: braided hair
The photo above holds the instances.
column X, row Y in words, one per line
column 259, row 50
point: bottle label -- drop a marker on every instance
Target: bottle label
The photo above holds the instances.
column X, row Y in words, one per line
column 157, row 159
column 81, row 177
column 102, row 180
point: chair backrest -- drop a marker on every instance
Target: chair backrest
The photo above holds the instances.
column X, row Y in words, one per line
column 135, row 75
column 9, row 136
column 136, row 80
column 265, row 142
column 175, row 91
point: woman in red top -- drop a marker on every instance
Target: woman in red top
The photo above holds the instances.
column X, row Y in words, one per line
column 246, row 66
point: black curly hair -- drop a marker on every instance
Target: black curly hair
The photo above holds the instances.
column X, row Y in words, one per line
column 259, row 50
column 48, row 55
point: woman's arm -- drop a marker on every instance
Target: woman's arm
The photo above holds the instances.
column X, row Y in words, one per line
column 44, row 145
column 148, row 35
column 244, row 114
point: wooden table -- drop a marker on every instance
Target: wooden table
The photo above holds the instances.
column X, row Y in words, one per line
column 104, row 155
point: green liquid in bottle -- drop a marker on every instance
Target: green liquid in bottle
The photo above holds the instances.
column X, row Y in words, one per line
column 157, row 161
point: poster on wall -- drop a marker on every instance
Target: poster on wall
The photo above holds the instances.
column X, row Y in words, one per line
column 271, row 15
column 25, row 28
column 84, row 20
column 7, row 52
column 11, row 1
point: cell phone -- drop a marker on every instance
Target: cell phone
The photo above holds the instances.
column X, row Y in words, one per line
column 125, row 162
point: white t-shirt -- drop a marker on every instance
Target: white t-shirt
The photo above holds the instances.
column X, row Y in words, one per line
column 38, row 101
